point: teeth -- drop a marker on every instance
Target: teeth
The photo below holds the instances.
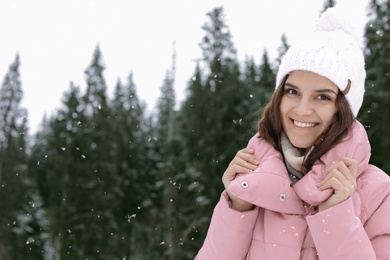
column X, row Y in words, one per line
column 304, row 125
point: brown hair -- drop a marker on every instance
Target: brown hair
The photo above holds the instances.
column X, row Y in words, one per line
column 270, row 127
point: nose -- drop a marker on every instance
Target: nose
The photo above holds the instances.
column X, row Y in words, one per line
column 303, row 107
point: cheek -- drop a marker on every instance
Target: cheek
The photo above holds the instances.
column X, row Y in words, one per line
column 283, row 107
column 328, row 117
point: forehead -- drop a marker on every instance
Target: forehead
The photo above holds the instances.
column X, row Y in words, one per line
column 310, row 81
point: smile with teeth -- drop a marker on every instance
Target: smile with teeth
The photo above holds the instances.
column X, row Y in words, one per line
column 304, row 125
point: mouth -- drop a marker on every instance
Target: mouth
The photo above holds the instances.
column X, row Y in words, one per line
column 304, row 124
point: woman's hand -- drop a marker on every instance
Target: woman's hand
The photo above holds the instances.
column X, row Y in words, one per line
column 341, row 177
column 244, row 162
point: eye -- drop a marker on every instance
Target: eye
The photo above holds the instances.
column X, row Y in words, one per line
column 324, row 97
column 291, row 91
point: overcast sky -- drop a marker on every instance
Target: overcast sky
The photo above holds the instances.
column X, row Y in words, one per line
column 56, row 40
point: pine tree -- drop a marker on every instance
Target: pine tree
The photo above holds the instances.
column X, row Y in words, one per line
column 131, row 162
column 11, row 114
column 216, row 113
column 267, row 79
column 101, row 196
column 375, row 111
column 192, row 119
column 13, row 172
column 175, row 221
column 165, row 134
column 225, row 95
column 56, row 163
column 77, row 175
column 261, row 82
column 251, row 80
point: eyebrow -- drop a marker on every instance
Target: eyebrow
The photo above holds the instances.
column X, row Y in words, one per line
column 325, row 90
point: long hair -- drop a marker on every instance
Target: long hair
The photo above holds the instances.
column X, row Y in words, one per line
column 270, row 127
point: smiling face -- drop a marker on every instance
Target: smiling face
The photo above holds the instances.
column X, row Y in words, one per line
column 308, row 107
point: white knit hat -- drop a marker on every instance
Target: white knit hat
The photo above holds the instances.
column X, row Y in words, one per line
column 333, row 51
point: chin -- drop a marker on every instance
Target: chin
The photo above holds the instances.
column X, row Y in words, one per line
column 301, row 144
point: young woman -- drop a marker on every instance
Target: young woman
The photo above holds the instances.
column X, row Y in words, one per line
column 303, row 188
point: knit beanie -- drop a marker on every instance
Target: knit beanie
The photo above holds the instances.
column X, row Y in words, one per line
column 333, row 51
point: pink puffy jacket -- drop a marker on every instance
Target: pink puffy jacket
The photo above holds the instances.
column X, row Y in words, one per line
column 284, row 224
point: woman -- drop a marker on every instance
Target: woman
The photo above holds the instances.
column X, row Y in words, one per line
column 303, row 188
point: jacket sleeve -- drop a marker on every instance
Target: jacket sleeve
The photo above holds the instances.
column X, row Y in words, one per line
column 230, row 233
column 339, row 234
column 378, row 229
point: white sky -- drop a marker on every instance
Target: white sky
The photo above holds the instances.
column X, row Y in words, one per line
column 56, row 40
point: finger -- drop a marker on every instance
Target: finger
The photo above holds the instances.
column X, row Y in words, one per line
column 343, row 168
column 331, row 167
column 339, row 183
column 240, row 154
column 240, row 169
column 231, row 173
column 242, row 163
column 329, row 173
column 351, row 164
column 340, row 194
column 335, row 165
column 342, row 191
column 247, row 150
column 332, row 183
column 326, row 183
column 344, row 177
column 247, row 155
column 245, row 160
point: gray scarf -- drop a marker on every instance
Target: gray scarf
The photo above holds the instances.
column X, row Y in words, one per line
column 293, row 159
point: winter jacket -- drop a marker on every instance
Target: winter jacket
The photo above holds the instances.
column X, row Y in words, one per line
column 284, row 223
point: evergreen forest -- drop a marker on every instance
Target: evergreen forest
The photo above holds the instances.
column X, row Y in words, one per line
column 104, row 179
